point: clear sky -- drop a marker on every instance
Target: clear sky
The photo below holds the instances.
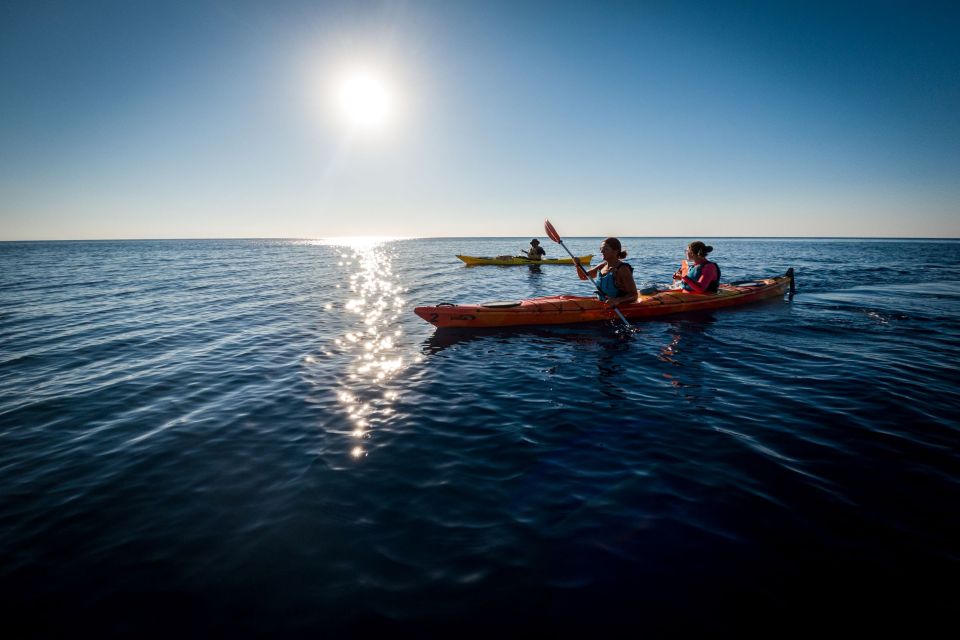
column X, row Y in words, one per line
column 225, row 118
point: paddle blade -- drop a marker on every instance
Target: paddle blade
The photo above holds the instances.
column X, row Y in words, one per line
column 551, row 231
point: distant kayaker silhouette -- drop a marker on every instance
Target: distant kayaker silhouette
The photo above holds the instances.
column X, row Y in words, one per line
column 535, row 252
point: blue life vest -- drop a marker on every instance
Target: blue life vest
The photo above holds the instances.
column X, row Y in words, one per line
column 694, row 274
column 605, row 283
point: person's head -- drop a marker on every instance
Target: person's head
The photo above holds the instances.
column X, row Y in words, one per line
column 535, row 242
column 610, row 248
column 698, row 251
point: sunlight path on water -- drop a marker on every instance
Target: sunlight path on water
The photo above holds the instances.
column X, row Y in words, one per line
column 374, row 297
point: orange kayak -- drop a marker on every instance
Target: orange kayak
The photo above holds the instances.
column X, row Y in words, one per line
column 572, row 309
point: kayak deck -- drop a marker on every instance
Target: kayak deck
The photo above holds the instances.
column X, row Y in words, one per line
column 515, row 260
column 553, row 310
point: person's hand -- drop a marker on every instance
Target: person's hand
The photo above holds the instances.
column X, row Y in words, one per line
column 678, row 274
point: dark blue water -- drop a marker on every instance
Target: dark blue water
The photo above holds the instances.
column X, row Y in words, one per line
column 259, row 437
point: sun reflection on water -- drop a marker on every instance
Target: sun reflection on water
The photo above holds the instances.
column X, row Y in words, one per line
column 374, row 343
column 356, row 243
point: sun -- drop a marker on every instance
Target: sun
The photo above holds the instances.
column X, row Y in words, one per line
column 364, row 100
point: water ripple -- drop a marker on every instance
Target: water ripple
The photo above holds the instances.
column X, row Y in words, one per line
column 266, row 428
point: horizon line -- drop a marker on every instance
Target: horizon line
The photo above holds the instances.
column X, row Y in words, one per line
column 403, row 238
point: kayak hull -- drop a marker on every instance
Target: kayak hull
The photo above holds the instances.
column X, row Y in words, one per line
column 474, row 261
column 555, row 310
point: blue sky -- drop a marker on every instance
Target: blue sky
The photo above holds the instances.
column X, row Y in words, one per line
column 212, row 119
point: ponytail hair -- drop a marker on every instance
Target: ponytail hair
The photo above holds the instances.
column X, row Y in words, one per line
column 700, row 249
column 615, row 243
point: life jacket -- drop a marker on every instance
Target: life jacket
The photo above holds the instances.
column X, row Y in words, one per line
column 605, row 283
column 694, row 274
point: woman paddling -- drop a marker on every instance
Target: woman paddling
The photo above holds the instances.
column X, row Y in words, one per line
column 615, row 282
column 703, row 276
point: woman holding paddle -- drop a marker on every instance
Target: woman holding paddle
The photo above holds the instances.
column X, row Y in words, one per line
column 615, row 284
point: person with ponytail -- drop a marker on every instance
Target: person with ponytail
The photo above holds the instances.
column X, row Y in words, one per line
column 615, row 282
column 703, row 276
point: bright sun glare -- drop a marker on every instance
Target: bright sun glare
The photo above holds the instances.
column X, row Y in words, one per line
column 364, row 100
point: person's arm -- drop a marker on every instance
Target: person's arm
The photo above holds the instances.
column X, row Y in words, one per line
column 625, row 282
column 707, row 275
column 681, row 271
column 583, row 274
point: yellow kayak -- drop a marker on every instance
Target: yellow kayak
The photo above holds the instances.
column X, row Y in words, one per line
column 473, row 261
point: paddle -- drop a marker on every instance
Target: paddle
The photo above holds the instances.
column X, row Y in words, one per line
column 556, row 238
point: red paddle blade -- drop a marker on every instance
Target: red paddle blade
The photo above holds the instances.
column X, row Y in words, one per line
column 551, row 231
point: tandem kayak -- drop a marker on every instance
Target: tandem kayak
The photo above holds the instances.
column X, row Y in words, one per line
column 512, row 260
column 572, row 309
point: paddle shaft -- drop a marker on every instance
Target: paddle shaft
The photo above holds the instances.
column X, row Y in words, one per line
column 592, row 281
